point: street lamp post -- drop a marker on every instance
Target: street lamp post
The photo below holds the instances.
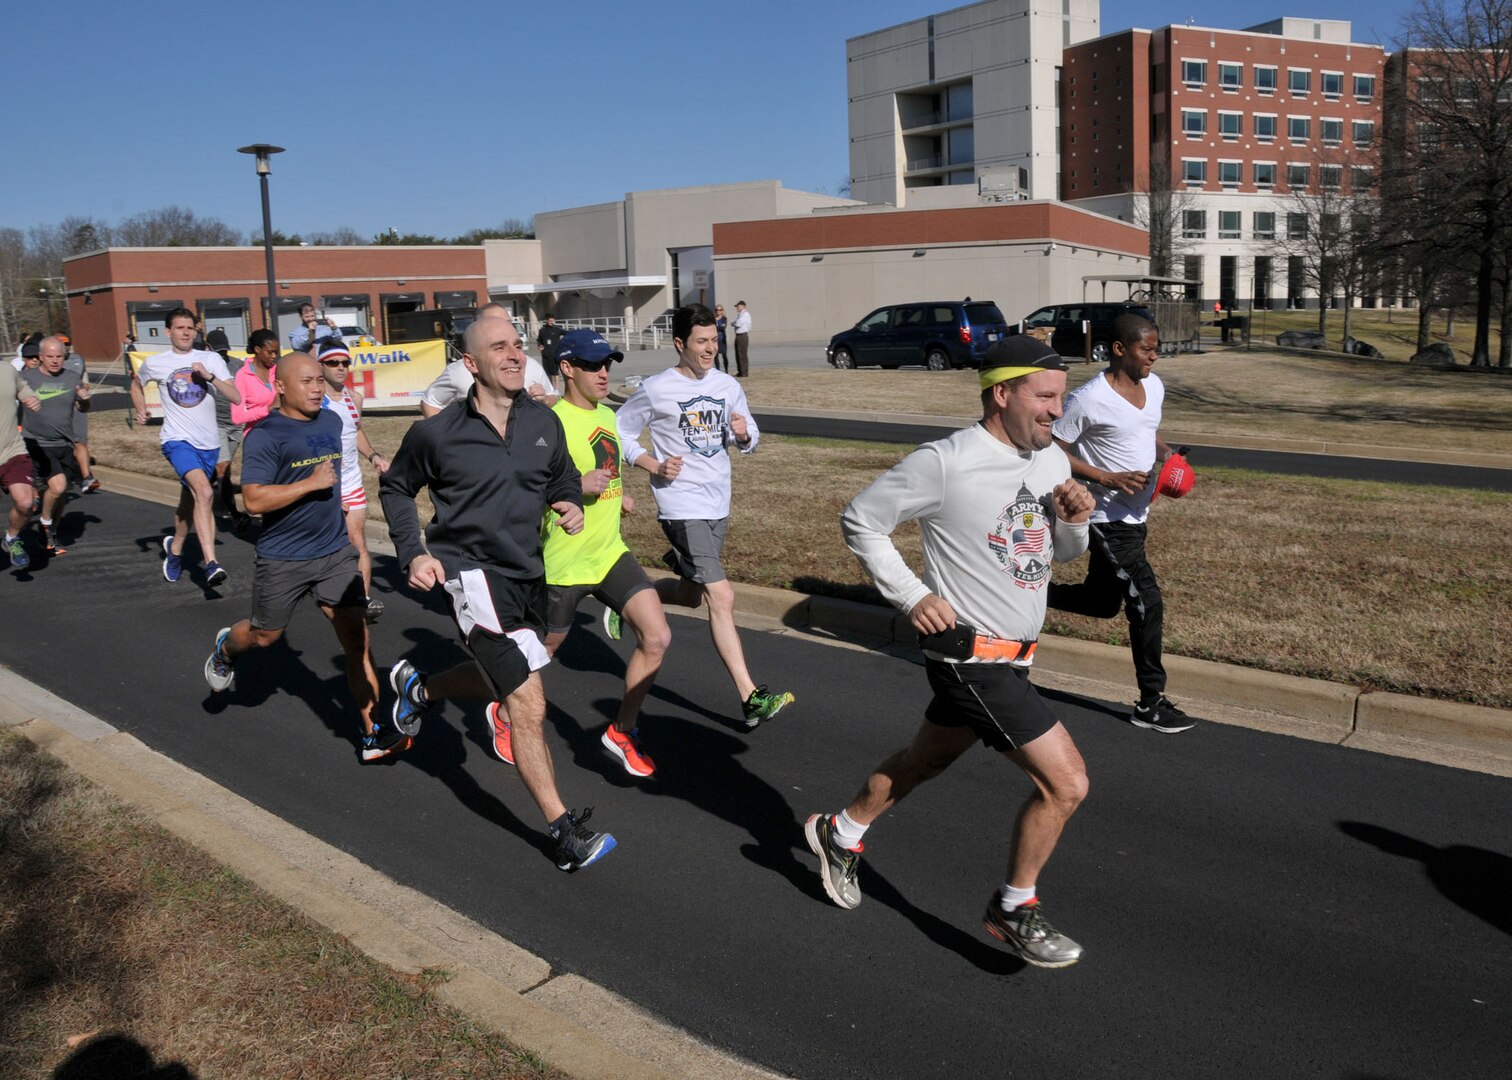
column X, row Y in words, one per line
column 47, row 303
column 263, row 151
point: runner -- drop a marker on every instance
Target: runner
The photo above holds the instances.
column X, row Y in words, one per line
column 596, row 562
column 456, row 380
column 346, row 403
column 291, row 475
column 1111, row 433
column 995, row 504
column 87, row 484
column 49, row 432
column 186, row 378
column 16, row 467
column 695, row 414
column 493, row 464
column 228, row 431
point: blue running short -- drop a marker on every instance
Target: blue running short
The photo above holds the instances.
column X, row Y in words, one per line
column 185, row 458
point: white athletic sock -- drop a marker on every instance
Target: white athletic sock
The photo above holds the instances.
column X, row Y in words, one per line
column 1011, row 899
column 9, row 538
column 848, row 830
column 46, row 522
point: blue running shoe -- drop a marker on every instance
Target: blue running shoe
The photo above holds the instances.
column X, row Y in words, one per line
column 215, row 574
column 578, row 846
column 173, row 566
column 18, row 556
column 409, row 684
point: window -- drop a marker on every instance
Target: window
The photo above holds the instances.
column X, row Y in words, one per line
column 1330, row 177
column 1265, row 225
column 1194, row 170
column 1228, row 224
column 1194, row 122
column 1230, row 124
column 1331, row 131
column 1265, row 126
column 1194, row 224
column 1265, row 174
column 1332, row 83
column 1265, row 78
column 1296, row 176
column 1363, row 132
column 1430, row 90
column 1296, row 226
column 1229, row 172
column 1194, row 72
column 1230, row 76
column 1298, row 128
column 1428, row 137
column 1364, row 87
column 1361, row 179
column 1299, row 80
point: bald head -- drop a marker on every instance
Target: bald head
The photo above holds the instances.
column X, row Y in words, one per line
column 489, row 324
column 52, row 352
column 300, row 384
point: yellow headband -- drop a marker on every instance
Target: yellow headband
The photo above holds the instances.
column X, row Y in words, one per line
column 993, row 376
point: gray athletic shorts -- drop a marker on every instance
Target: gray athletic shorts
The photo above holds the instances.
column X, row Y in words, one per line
column 696, row 547
column 80, row 426
column 230, row 439
column 280, row 584
column 624, row 579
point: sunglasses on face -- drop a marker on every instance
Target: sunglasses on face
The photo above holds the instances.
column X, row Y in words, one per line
column 591, row 365
column 335, row 363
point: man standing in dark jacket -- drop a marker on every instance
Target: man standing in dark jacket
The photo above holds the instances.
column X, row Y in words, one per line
column 547, row 338
column 492, row 466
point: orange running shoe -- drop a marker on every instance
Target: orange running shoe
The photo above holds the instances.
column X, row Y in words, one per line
column 627, row 749
column 502, row 736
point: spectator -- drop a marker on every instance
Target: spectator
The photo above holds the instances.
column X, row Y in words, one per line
column 306, row 337
column 722, row 357
column 742, row 340
column 547, row 339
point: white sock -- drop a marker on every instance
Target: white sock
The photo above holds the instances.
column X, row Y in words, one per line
column 1010, row 899
column 848, row 831
column 46, row 522
column 9, row 539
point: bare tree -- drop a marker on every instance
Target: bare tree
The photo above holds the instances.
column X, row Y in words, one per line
column 1454, row 84
column 1160, row 208
column 344, row 236
column 175, row 226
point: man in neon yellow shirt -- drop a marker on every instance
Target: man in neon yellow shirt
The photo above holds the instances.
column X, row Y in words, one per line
column 595, row 562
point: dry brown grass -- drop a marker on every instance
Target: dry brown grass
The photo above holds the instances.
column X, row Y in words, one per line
column 1379, row 585
column 1379, row 403
column 110, row 925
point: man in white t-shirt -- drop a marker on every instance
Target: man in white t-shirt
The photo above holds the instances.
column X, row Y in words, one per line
column 695, row 414
column 455, row 380
column 1111, row 433
column 187, row 381
column 742, row 330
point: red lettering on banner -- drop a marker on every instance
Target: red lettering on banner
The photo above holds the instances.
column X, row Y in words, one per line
column 361, row 381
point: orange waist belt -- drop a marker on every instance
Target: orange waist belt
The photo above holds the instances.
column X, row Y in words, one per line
column 988, row 647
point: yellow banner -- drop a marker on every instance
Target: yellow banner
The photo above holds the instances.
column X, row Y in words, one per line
column 388, row 377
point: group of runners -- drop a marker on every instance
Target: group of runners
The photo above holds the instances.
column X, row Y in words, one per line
column 528, row 494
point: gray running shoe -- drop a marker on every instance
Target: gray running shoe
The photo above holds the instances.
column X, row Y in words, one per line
column 837, row 865
column 1028, row 936
column 408, row 709
column 218, row 670
column 1161, row 715
column 578, row 846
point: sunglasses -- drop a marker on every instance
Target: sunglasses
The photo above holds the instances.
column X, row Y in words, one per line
column 335, row 363
column 591, row 365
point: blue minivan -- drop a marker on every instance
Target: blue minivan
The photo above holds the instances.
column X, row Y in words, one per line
column 939, row 334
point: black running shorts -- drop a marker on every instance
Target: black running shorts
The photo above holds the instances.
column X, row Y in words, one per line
column 624, row 579
column 996, row 701
column 279, row 584
column 51, row 460
column 502, row 622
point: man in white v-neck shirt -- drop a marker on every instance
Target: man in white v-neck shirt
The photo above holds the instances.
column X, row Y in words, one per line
column 1111, row 433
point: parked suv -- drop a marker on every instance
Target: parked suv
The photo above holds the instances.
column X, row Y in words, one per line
column 1066, row 321
column 939, row 334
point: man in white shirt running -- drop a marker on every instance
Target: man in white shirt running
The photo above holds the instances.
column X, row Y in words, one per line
column 187, row 380
column 996, row 505
column 695, row 414
column 455, row 380
column 1111, row 433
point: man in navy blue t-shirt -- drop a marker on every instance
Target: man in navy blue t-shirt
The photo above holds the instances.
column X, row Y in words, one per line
column 291, row 475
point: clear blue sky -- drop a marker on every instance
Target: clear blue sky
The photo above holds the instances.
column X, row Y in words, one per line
column 444, row 116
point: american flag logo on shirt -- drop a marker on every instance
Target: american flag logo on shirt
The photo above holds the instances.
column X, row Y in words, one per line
column 1023, row 540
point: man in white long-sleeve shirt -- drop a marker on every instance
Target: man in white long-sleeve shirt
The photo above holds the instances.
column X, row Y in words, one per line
column 996, row 505
column 695, row 414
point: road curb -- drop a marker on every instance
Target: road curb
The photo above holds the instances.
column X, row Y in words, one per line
column 1426, row 729
column 577, row 1027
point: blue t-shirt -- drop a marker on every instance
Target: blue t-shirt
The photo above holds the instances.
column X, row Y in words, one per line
column 279, row 450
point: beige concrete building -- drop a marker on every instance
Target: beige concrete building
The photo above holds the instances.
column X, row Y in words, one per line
column 965, row 97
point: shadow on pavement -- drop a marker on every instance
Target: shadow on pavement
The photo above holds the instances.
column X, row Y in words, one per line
column 1478, row 880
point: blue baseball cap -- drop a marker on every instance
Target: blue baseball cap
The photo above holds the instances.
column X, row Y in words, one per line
column 586, row 346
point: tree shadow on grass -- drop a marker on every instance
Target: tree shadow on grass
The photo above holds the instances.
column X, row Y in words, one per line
column 118, row 1057
column 1479, row 881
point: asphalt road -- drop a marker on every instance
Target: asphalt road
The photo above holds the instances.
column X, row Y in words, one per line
column 1251, row 905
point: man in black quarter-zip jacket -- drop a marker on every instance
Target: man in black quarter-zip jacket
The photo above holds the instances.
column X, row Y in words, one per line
column 493, row 464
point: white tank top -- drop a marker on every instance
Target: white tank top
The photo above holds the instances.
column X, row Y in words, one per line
column 351, row 467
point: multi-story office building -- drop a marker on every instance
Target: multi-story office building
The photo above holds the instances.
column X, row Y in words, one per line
column 966, row 96
column 1228, row 128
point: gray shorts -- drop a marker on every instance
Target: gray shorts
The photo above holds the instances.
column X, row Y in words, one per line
column 230, row 439
column 696, row 547
column 624, row 579
column 278, row 585
column 80, row 426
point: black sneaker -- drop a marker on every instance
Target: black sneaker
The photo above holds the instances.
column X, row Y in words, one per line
column 578, row 846
column 1161, row 714
column 1028, row 936
column 374, row 610
column 383, row 742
